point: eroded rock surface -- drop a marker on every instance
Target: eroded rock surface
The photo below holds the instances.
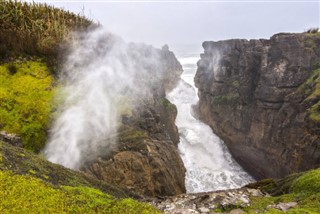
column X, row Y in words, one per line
column 146, row 159
column 251, row 94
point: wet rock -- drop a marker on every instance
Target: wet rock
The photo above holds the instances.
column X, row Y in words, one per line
column 250, row 95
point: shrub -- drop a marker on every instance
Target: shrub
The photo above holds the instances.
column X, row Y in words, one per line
column 35, row 28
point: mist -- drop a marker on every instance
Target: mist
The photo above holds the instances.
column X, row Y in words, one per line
column 103, row 77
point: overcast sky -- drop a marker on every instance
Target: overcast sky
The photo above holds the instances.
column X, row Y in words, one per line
column 173, row 22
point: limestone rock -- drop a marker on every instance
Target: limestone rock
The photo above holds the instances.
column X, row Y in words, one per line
column 250, row 94
column 154, row 169
column 284, row 206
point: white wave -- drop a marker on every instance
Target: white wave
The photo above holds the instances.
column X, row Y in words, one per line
column 208, row 162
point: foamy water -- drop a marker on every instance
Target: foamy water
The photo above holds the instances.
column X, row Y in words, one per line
column 208, row 161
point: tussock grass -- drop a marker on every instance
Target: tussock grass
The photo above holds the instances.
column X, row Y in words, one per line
column 35, row 28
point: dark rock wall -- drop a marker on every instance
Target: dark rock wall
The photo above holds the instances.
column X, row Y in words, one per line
column 250, row 94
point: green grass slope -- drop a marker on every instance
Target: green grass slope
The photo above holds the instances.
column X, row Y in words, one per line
column 32, row 38
column 31, row 184
column 303, row 188
column 26, row 92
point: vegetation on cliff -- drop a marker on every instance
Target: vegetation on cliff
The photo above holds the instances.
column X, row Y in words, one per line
column 312, row 86
column 302, row 188
column 35, row 28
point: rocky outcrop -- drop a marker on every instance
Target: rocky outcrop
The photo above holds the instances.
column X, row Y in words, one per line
column 146, row 159
column 253, row 95
column 13, row 139
column 212, row 202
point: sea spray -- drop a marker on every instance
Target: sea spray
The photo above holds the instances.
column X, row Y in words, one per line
column 99, row 75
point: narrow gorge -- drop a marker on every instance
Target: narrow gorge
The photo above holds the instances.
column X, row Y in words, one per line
column 92, row 123
column 209, row 164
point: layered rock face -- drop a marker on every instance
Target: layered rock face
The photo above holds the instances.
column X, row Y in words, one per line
column 252, row 95
column 146, row 159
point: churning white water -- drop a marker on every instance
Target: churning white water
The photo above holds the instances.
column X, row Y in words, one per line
column 208, row 162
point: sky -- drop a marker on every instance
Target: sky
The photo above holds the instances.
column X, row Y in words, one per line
column 178, row 23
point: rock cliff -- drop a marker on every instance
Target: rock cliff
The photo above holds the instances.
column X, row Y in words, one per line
column 146, row 159
column 261, row 97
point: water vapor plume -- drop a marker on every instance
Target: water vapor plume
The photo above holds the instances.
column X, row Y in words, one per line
column 103, row 77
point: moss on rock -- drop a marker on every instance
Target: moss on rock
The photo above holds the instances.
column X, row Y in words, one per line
column 312, row 88
column 308, row 182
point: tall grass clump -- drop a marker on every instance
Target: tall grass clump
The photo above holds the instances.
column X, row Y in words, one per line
column 35, row 28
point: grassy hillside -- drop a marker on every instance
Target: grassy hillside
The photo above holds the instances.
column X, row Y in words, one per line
column 31, row 38
column 26, row 91
column 29, row 184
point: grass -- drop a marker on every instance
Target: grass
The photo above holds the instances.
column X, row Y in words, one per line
column 131, row 134
column 29, row 184
column 26, row 94
column 26, row 194
column 301, row 188
column 312, row 88
column 167, row 104
column 226, row 99
column 23, row 162
column 35, row 28
column 308, row 182
column 314, row 83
